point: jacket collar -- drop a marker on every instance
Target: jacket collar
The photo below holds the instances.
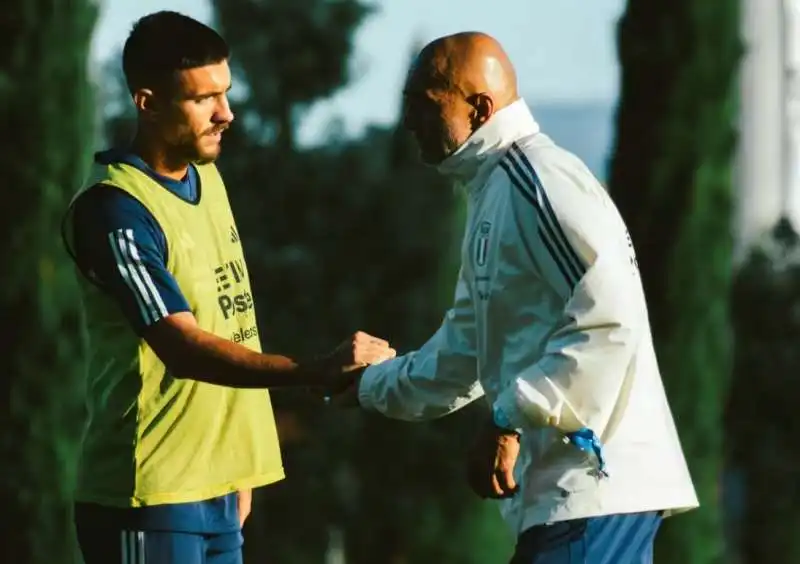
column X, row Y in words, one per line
column 470, row 164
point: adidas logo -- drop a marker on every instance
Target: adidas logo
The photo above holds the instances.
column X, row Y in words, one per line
column 234, row 235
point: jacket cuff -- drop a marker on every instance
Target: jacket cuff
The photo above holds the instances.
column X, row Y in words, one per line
column 505, row 407
column 366, row 386
column 525, row 406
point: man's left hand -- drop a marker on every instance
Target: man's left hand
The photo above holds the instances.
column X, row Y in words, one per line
column 491, row 463
column 245, row 505
column 347, row 397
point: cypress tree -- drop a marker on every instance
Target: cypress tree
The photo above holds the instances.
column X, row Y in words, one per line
column 47, row 116
column 671, row 177
column 762, row 413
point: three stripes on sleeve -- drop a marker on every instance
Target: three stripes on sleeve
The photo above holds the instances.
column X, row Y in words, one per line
column 136, row 276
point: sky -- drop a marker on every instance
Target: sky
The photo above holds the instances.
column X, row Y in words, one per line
column 563, row 50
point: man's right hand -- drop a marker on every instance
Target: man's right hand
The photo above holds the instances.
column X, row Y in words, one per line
column 346, row 362
column 361, row 350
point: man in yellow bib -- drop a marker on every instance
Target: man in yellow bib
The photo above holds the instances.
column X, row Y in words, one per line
column 180, row 421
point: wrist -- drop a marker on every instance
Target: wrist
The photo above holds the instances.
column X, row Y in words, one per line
column 502, row 423
column 365, row 386
column 316, row 371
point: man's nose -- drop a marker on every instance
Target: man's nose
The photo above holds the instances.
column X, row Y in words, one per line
column 224, row 114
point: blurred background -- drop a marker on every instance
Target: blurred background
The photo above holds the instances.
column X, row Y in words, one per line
column 686, row 110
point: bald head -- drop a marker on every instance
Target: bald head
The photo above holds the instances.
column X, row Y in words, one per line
column 455, row 85
column 470, row 63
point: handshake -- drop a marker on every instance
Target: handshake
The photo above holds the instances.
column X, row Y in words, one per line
column 341, row 369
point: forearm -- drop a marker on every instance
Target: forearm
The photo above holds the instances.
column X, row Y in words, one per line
column 575, row 384
column 439, row 378
column 190, row 352
column 426, row 384
column 398, row 394
column 213, row 360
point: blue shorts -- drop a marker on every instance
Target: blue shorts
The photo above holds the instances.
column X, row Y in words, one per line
column 205, row 532
column 612, row 539
column 158, row 547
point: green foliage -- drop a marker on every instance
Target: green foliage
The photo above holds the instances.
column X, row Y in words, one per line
column 671, row 177
column 46, row 108
column 299, row 52
column 762, row 412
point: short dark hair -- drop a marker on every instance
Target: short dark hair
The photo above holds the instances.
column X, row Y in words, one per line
column 163, row 43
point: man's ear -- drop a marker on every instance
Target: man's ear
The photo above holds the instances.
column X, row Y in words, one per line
column 145, row 102
column 483, row 109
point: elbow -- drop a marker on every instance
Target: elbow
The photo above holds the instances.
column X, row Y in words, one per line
column 621, row 334
column 175, row 345
column 177, row 369
column 180, row 372
column 618, row 331
column 629, row 331
column 606, row 334
column 178, row 342
column 177, row 363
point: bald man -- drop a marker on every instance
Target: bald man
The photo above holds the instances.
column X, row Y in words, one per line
column 549, row 325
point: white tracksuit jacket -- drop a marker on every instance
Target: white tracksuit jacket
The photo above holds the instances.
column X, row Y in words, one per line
column 550, row 325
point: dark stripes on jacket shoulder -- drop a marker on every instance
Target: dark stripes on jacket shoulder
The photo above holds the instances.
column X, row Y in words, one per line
column 523, row 177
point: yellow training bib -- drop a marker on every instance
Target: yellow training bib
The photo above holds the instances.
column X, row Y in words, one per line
column 154, row 439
